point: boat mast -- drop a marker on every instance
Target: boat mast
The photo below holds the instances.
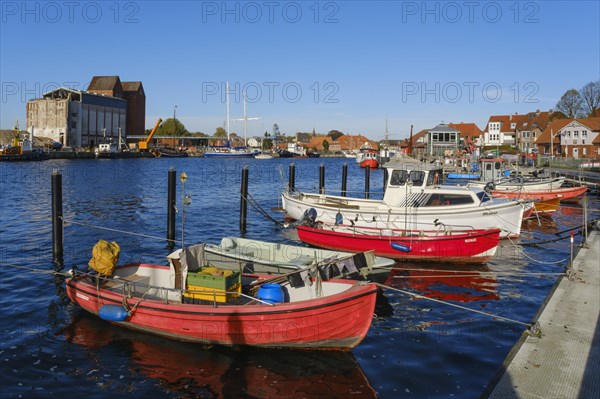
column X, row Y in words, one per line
column 245, row 119
column 227, row 101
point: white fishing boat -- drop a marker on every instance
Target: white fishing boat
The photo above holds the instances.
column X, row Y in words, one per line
column 254, row 256
column 493, row 177
column 414, row 200
column 263, row 155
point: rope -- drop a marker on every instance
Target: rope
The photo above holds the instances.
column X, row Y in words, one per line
column 522, row 252
column 529, row 325
column 117, row 230
column 250, row 200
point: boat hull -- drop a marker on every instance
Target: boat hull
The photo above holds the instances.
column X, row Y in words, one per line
column 507, row 216
column 453, row 247
column 371, row 163
column 525, row 185
column 229, row 155
column 564, row 193
column 338, row 321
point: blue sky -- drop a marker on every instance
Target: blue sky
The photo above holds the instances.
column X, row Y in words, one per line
column 343, row 65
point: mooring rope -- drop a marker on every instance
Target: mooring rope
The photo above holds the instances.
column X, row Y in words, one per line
column 118, row 231
column 252, row 201
column 528, row 325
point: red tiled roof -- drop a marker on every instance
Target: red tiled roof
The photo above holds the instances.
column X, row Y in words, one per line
column 467, row 129
column 553, row 127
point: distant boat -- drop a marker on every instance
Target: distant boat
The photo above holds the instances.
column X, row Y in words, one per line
column 170, row 152
column 263, row 156
column 227, row 151
column 564, row 193
column 106, row 150
column 294, row 150
column 369, row 158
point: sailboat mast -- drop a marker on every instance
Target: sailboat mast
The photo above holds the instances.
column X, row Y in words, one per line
column 245, row 118
column 227, row 101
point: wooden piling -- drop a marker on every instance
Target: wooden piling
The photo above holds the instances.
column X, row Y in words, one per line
column 322, row 179
column 57, row 220
column 244, row 199
column 171, row 207
column 344, row 179
column 367, row 181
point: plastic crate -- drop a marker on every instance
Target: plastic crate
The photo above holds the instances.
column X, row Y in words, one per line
column 198, row 279
column 213, row 294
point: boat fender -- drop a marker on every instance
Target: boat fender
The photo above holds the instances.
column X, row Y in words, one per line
column 400, row 247
column 339, row 219
column 113, row 313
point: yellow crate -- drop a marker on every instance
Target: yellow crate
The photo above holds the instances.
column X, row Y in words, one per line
column 211, row 294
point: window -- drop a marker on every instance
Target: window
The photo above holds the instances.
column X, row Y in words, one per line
column 73, row 125
column 584, row 134
column 584, row 151
column 417, row 177
column 576, row 134
column 398, row 178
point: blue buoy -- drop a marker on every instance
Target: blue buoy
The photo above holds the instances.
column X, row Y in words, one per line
column 113, row 313
column 271, row 293
column 400, row 247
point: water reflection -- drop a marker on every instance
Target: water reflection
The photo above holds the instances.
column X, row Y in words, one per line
column 446, row 282
column 203, row 371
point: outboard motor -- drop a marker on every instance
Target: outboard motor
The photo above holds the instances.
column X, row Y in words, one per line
column 310, row 217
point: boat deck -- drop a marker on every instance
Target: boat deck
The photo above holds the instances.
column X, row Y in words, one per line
column 565, row 361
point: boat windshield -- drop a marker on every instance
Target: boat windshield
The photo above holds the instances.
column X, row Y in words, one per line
column 398, row 178
column 417, row 177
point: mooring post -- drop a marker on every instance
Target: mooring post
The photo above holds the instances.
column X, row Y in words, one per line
column 367, row 181
column 57, row 219
column 244, row 199
column 322, row 179
column 385, row 178
column 171, row 207
column 344, row 178
column 292, row 177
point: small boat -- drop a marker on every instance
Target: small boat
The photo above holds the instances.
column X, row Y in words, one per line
column 106, row 150
column 494, row 177
column 443, row 245
column 300, row 312
column 563, row 193
column 369, row 158
column 263, row 156
column 413, row 200
column 294, row 150
column 545, row 207
column 254, row 256
column 170, row 152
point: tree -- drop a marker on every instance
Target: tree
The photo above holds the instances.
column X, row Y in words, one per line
column 170, row 128
column 335, row 134
column 325, row 145
column 570, row 104
column 220, row 132
column 590, row 96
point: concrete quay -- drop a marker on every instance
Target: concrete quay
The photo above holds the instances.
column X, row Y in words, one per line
column 565, row 361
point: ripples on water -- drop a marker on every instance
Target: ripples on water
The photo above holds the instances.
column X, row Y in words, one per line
column 415, row 348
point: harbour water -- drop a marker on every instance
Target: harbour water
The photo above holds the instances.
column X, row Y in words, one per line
column 415, row 347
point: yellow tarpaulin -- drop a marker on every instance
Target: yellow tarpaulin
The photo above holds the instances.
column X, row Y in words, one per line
column 105, row 256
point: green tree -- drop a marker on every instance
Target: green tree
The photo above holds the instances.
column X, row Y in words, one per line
column 170, row 128
column 220, row 132
column 325, row 145
column 267, row 143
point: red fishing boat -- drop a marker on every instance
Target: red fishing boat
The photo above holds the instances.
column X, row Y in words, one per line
column 564, row 193
column 369, row 158
column 303, row 312
column 442, row 245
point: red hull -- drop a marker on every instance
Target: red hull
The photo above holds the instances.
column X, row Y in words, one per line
column 468, row 246
column 371, row 163
column 338, row 321
column 565, row 193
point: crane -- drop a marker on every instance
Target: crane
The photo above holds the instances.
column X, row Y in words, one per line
column 144, row 144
